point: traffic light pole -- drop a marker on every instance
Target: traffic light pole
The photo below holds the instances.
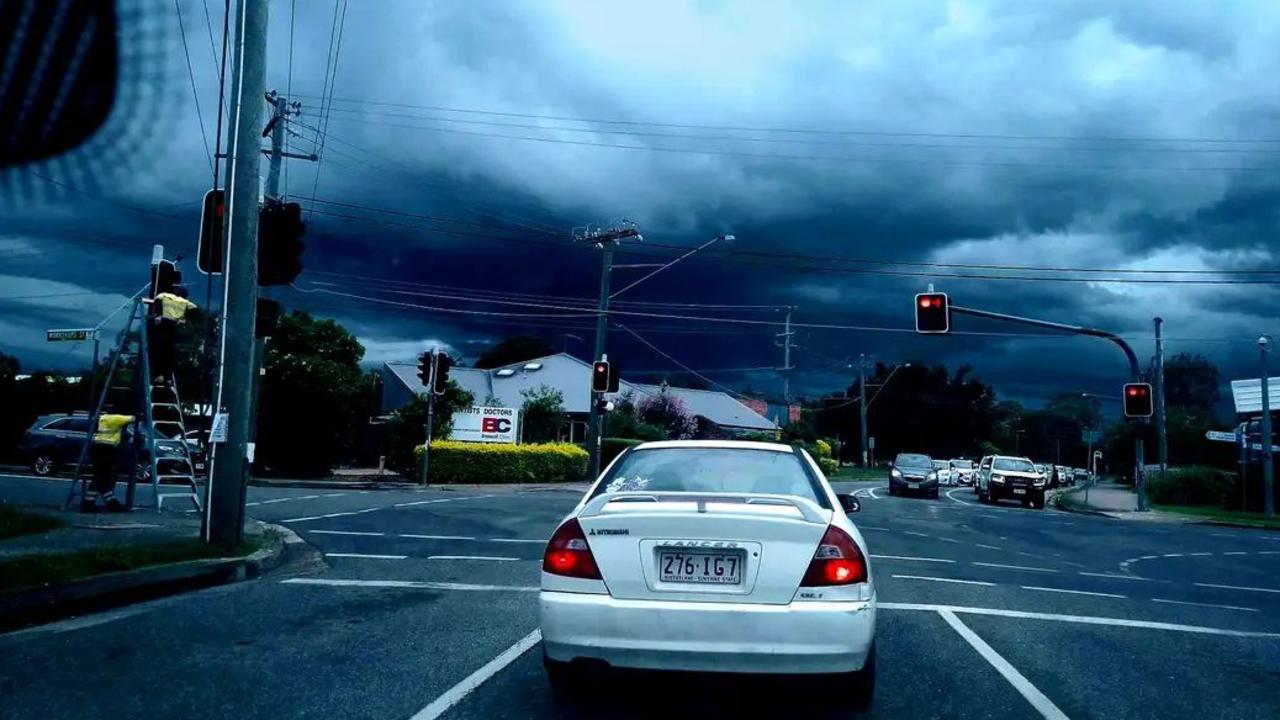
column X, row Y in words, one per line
column 1268, row 491
column 1135, row 373
column 594, row 417
column 431, row 411
column 1161, row 436
column 224, row 509
column 862, row 405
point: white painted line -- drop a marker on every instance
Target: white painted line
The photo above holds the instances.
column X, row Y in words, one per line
column 1114, row 576
column 518, row 540
column 945, row 580
column 367, row 556
column 332, row 495
column 1144, row 557
column 1073, row 592
column 986, row 547
column 440, row 500
column 409, row 585
column 304, row 519
column 872, row 493
column 1237, row 587
column 334, row 515
column 1268, row 552
column 956, row 499
column 345, row 532
column 1173, row 555
column 912, row 532
column 1015, row 567
column 1199, row 554
column 492, row 558
column 438, row 537
column 455, row 694
column 1208, row 605
column 950, row 540
column 1236, row 552
column 871, row 527
column 1080, row 619
column 914, row 559
column 1038, row 700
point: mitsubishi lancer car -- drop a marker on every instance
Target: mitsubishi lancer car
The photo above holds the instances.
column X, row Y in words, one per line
column 710, row 556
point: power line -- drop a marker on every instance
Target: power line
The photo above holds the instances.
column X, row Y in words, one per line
column 813, row 131
column 100, row 198
column 686, row 368
column 331, row 63
column 191, row 75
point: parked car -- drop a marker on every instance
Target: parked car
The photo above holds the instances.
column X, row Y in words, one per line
column 53, row 442
column 1013, row 478
column 913, row 472
column 962, row 471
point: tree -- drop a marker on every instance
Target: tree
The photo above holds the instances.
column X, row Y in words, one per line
column 407, row 428
column 313, row 397
column 1191, row 381
column 623, row 422
column 667, row 411
column 542, row 413
column 517, row 348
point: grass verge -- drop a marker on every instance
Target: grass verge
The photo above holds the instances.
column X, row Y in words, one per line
column 853, row 472
column 36, row 570
column 14, row 522
column 1216, row 513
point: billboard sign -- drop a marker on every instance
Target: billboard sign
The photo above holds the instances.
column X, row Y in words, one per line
column 486, row 424
column 1248, row 395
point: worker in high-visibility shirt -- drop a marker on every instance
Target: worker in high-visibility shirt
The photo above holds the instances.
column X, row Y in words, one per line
column 169, row 311
column 105, row 454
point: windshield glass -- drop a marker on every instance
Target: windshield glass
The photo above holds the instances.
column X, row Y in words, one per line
column 910, row 460
column 698, row 469
column 962, row 464
column 940, row 464
column 1014, row 465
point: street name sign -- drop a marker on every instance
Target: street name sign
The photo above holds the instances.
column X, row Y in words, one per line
column 72, row 335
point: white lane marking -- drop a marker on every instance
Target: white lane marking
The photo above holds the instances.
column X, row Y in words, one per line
column 1236, row 552
column 1073, row 592
column 987, row 547
column 518, row 540
column 492, row 558
column 409, row 585
column 872, row 493
column 1208, row 605
column 953, row 497
column 1114, row 576
column 1199, row 554
column 1237, row 587
column 345, row 532
column 950, row 540
column 1015, row 567
column 367, row 556
column 440, row 500
column 332, row 495
column 1038, row 700
column 1173, row 554
column 917, row 559
column 334, row 515
column 1080, row 619
column 871, row 527
column 1145, row 557
column 945, row 580
column 1268, row 552
column 912, row 532
column 455, row 694
column 437, row 537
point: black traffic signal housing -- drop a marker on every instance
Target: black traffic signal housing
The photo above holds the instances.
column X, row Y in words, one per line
column 165, row 276
column 213, row 213
column 280, row 231
column 1138, row 400
column 604, row 377
column 267, row 319
column 443, row 364
column 933, row 313
column 424, row 368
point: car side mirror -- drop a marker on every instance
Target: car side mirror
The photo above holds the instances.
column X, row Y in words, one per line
column 849, row 503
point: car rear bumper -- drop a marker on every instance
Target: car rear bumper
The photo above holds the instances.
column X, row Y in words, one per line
column 801, row 637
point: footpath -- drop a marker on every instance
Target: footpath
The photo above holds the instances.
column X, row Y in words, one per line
column 1118, row 501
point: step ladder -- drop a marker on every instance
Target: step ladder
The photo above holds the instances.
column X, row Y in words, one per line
column 129, row 380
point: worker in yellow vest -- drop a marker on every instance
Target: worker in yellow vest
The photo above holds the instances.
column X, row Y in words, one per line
column 105, row 454
column 169, row 311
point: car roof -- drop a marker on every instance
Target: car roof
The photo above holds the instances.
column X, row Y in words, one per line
column 720, row 444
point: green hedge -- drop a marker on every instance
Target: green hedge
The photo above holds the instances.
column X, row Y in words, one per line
column 1194, row 485
column 829, row 467
column 462, row 462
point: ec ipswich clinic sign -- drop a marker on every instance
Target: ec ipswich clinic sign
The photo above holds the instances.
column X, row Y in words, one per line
column 486, row 424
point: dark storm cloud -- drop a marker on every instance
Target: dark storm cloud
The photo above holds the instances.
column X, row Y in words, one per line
column 1073, row 76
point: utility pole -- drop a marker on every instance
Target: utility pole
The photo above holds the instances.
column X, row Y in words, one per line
column 786, row 368
column 431, row 411
column 224, row 506
column 1161, row 437
column 862, row 404
column 1268, row 491
column 606, row 239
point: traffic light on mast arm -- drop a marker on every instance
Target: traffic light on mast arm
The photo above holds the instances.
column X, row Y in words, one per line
column 604, row 377
column 165, row 275
column 933, row 313
column 212, row 214
column 443, row 364
column 280, row 231
column 1137, row 400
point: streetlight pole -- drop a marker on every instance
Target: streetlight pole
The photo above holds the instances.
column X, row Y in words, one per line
column 1268, row 497
column 862, row 404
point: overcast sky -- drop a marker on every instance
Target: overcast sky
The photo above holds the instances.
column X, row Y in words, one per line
column 1104, row 135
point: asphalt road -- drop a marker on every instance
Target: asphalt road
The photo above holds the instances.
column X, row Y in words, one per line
column 426, row 600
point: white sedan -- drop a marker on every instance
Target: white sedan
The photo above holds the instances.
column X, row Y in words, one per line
column 712, row 556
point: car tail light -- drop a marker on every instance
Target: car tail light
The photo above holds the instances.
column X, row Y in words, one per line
column 568, row 553
column 838, row 561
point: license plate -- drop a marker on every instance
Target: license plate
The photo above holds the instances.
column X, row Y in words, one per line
column 199, row 466
column 710, row 568
column 913, row 486
column 1019, row 491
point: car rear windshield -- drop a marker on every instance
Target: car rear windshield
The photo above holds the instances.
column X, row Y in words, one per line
column 713, row 470
column 962, row 464
column 1013, row 465
column 911, row 460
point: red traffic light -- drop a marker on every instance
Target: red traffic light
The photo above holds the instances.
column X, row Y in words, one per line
column 933, row 313
column 604, row 377
column 1138, row 400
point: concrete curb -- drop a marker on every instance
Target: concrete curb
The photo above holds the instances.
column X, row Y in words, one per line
column 1174, row 518
column 30, row 606
column 335, row 484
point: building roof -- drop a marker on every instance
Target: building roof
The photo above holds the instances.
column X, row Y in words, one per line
column 572, row 377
